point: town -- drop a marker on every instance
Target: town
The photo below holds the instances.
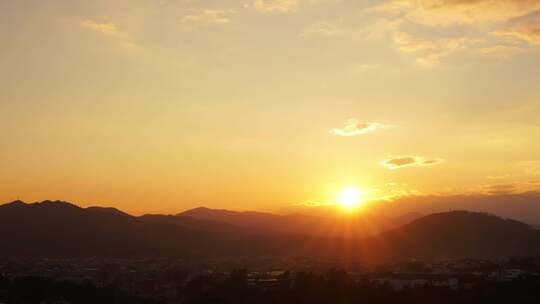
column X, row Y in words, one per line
column 174, row 280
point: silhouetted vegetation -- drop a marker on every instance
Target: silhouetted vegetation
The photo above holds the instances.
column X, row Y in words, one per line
column 334, row 286
column 30, row 290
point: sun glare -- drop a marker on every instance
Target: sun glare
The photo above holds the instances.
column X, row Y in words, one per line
column 349, row 198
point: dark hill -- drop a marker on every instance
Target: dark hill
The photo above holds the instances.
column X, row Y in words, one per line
column 60, row 229
column 330, row 226
column 109, row 210
column 458, row 234
column 216, row 227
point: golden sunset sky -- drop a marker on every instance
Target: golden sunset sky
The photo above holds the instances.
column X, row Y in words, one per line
column 160, row 106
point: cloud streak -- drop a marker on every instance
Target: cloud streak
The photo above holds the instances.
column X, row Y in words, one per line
column 284, row 6
column 208, row 17
column 276, row 6
column 409, row 161
column 458, row 12
column 323, row 28
column 353, row 127
column 529, row 34
column 511, row 27
column 109, row 31
column 102, row 27
column 430, row 51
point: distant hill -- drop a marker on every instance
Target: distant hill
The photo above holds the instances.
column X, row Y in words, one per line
column 216, row 227
column 457, row 234
column 61, row 229
column 518, row 206
column 353, row 226
column 109, row 210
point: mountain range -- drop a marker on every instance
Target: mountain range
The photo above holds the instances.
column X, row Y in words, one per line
column 62, row 229
column 332, row 225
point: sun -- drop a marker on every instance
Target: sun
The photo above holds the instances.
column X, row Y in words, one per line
column 350, row 198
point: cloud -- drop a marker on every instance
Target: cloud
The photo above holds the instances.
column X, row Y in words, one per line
column 490, row 28
column 323, row 28
column 208, row 16
column 409, row 161
column 102, row 27
column 431, row 50
column 525, row 28
column 276, row 6
column 312, row 204
column 354, row 127
column 500, row 189
column 458, row 12
column 284, row 6
column 500, row 51
column 406, row 43
column 382, row 26
column 111, row 32
column 530, row 168
column 528, row 33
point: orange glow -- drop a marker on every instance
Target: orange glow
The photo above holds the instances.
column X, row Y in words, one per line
column 205, row 113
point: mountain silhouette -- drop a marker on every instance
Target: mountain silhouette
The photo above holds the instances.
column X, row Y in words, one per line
column 334, row 225
column 456, row 234
column 109, row 210
column 62, row 229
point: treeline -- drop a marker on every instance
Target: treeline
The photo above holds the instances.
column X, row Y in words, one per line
column 336, row 287
column 333, row 287
column 37, row 290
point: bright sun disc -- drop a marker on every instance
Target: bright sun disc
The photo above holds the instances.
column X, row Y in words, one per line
column 349, row 198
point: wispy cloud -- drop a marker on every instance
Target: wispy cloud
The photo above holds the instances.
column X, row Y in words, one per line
column 458, row 12
column 430, row 51
column 524, row 28
column 284, row 6
column 530, row 168
column 354, row 127
column 111, row 32
column 102, row 27
column 406, row 43
column 312, row 203
column 500, row 189
column 208, row 16
column 276, row 6
column 323, row 28
column 528, row 33
column 409, row 161
column 500, row 51
column 515, row 25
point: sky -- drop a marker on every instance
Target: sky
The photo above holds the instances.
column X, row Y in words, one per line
column 164, row 105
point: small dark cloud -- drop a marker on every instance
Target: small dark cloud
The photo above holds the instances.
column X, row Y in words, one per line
column 409, row 161
column 430, row 162
column 400, row 161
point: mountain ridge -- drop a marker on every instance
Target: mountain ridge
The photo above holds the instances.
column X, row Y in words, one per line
column 61, row 229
